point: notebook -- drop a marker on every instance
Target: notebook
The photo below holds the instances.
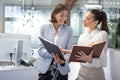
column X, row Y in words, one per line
column 51, row 47
column 97, row 49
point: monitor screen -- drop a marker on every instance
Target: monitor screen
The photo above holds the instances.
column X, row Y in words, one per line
column 18, row 45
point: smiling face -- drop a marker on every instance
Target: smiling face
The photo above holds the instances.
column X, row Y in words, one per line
column 59, row 14
column 89, row 21
column 61, row 17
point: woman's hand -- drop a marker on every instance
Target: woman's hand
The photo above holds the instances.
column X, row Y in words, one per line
column 57, row 59
column 82, row 56
column 65, row 50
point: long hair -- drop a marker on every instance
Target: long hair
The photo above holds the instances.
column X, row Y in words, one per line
column 102, row 18
column 58, row 8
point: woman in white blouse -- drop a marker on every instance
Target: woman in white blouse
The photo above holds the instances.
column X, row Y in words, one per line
column 93, row 68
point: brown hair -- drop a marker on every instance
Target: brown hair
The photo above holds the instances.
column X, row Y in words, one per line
column 58, row 8
column 102, row 18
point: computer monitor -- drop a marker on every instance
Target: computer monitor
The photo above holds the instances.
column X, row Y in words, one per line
column 17, row 44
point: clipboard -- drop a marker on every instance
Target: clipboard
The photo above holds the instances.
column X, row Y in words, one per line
column 51, row 48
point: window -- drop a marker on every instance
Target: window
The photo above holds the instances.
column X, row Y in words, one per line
column 27, row 22
column 76, row 24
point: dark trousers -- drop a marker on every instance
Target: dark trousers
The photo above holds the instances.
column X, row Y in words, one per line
column 62, row 77
column 48, row 76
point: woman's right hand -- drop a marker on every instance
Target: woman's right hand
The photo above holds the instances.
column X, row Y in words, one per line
column 57, row 59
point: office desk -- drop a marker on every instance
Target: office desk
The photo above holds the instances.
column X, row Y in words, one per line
column 18, row 73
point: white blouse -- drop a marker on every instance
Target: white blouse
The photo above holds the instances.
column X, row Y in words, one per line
column 96, row 36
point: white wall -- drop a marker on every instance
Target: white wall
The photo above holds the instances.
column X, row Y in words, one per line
column 114, row 61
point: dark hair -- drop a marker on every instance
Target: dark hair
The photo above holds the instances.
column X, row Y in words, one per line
column 58, row 8
column 102, row 18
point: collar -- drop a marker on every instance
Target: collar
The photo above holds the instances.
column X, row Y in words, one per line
column 93, row 32
column 53, row 29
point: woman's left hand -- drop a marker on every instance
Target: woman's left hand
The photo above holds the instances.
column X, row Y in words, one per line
column 84, row 57
column 57, row 59
column 65, row 50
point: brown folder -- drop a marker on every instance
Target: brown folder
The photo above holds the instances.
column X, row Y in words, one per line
column 97, row 49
